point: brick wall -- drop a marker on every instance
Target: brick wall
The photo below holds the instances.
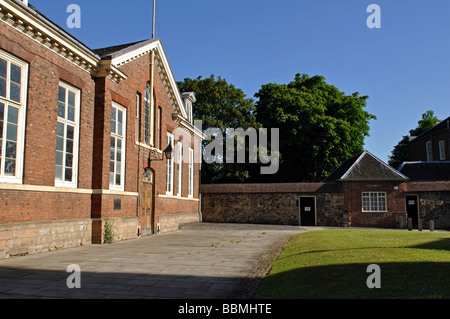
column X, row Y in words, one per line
column 395, row 202
column 46, row 70
column 418, row 151
column 336, row 205
column 271, row 203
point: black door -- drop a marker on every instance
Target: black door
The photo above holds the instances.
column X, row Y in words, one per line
column 412, row 208
column 307, row 211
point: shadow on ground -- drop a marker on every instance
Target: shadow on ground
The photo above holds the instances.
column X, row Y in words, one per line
column 36, row 284
column 398, row 280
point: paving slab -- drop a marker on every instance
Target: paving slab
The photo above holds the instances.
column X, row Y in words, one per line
column 200, row 261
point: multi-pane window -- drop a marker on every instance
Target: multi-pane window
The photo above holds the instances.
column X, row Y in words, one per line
column 13, row 80
column 374, row 202
column 149, row 115
column 138, row 118
column 191, row 173
column 169, row 167
column 66, row 163
column 179, row 167
column 117, row 150
column 158, row 128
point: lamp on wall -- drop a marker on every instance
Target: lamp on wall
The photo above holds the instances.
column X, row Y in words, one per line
column 168, row 152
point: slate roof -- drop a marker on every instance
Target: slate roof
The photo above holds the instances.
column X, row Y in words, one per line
column 426, row 171
column 365, row 166
column 117, row 50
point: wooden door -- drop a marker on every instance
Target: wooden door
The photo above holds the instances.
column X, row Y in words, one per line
column 148, row 204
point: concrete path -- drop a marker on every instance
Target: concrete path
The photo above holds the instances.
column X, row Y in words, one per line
column 204, row 261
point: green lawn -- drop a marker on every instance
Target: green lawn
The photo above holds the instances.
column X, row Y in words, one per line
column 333, row 264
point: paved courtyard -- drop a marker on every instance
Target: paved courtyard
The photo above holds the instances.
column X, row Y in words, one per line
column 204, row 261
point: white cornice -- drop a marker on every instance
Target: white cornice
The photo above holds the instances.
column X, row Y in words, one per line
column 38, row 28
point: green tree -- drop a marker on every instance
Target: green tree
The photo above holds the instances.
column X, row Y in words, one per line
column 221, row 105
column 400, row 153
column 320, row 126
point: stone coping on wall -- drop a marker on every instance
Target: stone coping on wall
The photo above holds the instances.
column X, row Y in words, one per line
column 332, row 187
column 271, row 188
column 426, row 186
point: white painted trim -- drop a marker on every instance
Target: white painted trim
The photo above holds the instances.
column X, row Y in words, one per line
column 52, row 189
column 178, row 197
column 155, row 45
column 179, row 162
column 39, row 24
column 76, row 138
column 121, row 187
column 169, row 191
column 191, row 173
column 373, row 211
column 21, row 121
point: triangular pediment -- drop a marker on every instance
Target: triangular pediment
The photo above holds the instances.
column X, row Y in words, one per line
column 123, row 54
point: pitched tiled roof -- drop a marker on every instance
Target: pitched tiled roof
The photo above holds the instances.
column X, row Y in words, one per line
column 426, row 171
column 365, row 167
column 121, row 49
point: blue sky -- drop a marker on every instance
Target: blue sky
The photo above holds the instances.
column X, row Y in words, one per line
column 404, row 67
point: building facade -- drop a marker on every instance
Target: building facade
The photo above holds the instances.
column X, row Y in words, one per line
column 432, row 145
column 362, row 192
column 82, row 139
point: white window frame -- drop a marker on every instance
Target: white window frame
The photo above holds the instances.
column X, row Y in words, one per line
column 442, row 150
column 76, row 137
column 169, row 167
column 21, row 121
column 138, row 117
column 179, row 168
column 191, row 174
column 149, row 101
column 114, row 186
column 429, row 149
column 371, row 202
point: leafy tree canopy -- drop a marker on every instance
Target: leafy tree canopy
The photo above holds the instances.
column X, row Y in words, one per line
column 221, row 105
column 320, row 126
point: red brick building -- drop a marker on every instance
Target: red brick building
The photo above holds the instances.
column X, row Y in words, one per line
column 82, row 139
column 432, row 145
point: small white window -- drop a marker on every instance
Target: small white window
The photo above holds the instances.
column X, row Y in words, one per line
column 118, row 147
column 169, row 167
column 429, row 147
column 374, row 202
column 13, row 98
column 442, row 150
column 67, row 136
column 191, row 173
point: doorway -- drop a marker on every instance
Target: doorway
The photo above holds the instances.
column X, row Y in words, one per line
column 412, row 208
column 148, row 215
column 307, row 211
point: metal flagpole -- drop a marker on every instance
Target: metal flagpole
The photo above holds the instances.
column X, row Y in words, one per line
column 154, row 15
